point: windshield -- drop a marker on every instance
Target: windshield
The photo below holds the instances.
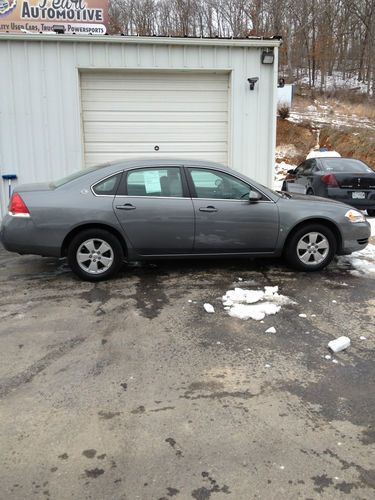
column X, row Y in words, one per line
column 344, row 165
column 76, row 175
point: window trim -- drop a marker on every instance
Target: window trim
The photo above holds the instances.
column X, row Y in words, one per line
column 185, row 190
column 194, row 194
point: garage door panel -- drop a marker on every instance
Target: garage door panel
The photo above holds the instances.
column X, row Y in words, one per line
column 165, row 147
column 97, row 158
column 154, row 107
column 127, row 114
column 154, row 116
column 154, row 96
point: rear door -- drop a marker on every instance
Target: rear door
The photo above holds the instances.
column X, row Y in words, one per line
column 155, row 210
column 225, row 220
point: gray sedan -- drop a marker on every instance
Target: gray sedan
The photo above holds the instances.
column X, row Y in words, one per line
column 143, row 209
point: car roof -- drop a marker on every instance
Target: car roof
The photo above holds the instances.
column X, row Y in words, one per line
column 323, row 154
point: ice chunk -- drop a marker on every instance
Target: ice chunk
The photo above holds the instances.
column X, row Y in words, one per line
column 302, row 315
column 339, row 344
column 328, row 356
column 362, row 337
column 272, row 329
column 208, row 308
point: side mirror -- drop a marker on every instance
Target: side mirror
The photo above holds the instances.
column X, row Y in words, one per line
column 254, row 196
column 291, row 171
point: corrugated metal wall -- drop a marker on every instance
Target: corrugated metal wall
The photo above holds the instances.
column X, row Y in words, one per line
column 40, row 110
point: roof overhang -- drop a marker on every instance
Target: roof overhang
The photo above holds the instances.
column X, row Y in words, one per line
column 144, row 40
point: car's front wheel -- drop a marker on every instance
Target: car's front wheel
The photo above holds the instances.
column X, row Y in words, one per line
column 95, row 254
column 311, row 248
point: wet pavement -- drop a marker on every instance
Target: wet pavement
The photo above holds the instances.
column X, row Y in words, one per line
column 126, row 390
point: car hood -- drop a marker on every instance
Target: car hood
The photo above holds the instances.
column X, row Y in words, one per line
column 313, row 199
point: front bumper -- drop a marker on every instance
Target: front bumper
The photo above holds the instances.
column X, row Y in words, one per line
column 355, row 237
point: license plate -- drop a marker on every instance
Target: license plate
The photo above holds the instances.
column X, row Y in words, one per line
column 358, row 195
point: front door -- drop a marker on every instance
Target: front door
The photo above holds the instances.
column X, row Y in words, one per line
column 155, row 211
column 225, row 220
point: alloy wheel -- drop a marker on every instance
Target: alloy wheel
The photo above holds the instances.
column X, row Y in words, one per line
column 313, row 248
column 95, row 256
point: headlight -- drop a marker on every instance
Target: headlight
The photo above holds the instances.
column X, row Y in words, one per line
column 354, row 216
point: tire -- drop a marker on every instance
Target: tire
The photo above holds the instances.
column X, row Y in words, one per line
column 300, row 255
column 371, row 212
column 104, row 255
column 310, row 192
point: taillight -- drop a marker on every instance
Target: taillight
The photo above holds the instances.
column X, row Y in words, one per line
column 17, row 206
column 330, row 180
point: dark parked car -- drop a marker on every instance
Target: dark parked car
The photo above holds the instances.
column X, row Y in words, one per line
column 137, row 210
column 343, row 179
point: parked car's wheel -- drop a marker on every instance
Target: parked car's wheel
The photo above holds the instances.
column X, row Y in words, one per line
column 371, row 212
column 310, row 192
column 95, row 255
column 311, row 248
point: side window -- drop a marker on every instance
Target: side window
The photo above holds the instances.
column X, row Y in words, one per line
column 300, row 169
column 163, row 181
column 107, row 186
column 215, row 184
column 308, row 168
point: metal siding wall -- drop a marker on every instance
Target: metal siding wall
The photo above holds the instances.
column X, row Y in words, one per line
column 40, row 115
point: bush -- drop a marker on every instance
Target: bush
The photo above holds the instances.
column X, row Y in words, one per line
column 284, row 112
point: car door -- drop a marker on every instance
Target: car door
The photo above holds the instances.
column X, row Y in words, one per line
column 298, row 184
column 225, row 220
column 155, row 210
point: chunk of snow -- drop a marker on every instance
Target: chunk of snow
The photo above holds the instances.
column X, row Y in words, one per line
column 267, row 366
column 302, row 315
column 208, row 308
column 328, row 356
column 272, row 329
column 254, row 304
column 335, row 361
column 362, row 337
column 190, row 301
column 334, row 301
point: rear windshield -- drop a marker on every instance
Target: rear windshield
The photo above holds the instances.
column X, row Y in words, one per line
column 344, row 165
column 76, row 175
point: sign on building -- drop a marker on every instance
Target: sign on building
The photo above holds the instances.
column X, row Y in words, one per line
column 69, row 16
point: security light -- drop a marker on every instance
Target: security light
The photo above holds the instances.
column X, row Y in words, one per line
column 268, row 56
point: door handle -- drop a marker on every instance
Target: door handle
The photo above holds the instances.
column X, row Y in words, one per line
column 210, row 208
column 127, row 206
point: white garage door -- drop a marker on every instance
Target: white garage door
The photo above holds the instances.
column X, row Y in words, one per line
column 143, row 114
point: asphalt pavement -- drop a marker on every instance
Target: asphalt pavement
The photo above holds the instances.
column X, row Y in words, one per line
column 128, row 389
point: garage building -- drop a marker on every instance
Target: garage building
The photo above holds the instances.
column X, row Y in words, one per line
column 68, row 102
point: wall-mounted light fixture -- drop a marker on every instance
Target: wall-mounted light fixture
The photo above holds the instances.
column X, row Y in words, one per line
column 59, row 29
column 268, row 56
column 252, row 82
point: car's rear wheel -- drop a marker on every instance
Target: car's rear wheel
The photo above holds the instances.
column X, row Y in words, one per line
column 310, row 192
column 95, row 254
column 311, row 248
column 371, row 212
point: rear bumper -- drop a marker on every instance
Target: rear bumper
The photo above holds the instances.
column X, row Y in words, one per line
column 345, row 196
column 20, row 235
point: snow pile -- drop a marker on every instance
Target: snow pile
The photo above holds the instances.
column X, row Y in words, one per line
column 280, row 171
column 254, row 304
column 363, row 262
column 372, row 224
